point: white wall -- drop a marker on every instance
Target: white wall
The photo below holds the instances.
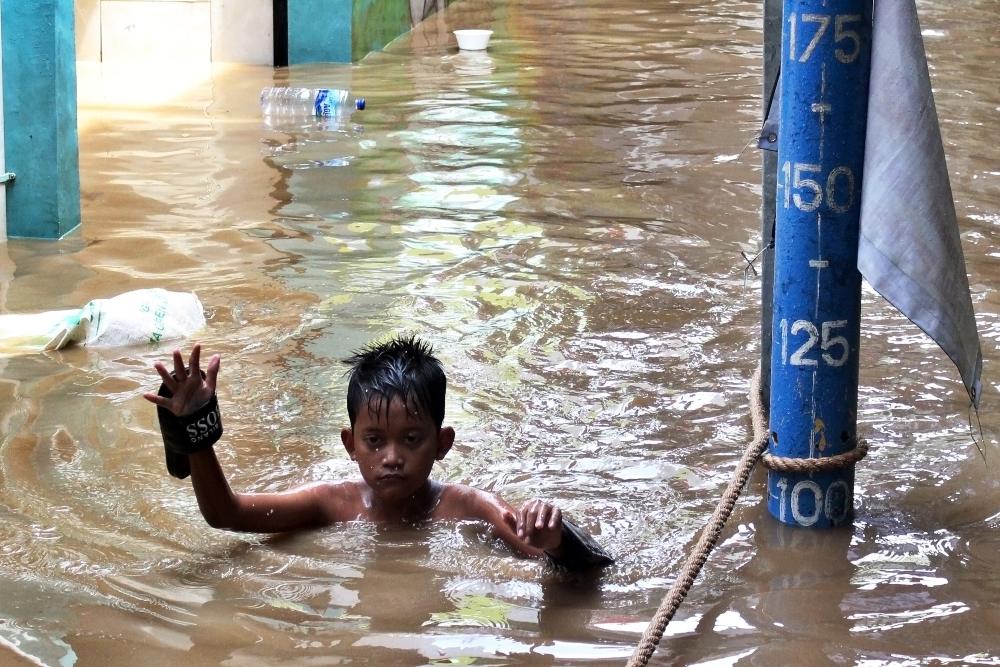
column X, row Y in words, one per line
column 175, row 30
column 243, row 31
column 88, row 29
column 157, row 30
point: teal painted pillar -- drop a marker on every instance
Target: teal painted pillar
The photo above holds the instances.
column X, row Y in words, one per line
column 319, row 31
column 39, row 113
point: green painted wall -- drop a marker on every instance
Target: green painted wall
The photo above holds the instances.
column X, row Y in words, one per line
column 376, row 23
column 40, row 130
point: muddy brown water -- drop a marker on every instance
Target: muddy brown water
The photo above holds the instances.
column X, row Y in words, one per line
column 562, row 216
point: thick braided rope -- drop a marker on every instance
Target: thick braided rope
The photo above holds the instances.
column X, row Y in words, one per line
column 785, row 464
column 709, row 536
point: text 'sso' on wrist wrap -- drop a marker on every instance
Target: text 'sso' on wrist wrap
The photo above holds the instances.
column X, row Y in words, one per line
column 187, row 434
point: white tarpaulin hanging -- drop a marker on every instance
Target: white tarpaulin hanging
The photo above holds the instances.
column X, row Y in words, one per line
column 910, row 250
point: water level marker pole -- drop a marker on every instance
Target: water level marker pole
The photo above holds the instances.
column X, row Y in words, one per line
column 815, row 333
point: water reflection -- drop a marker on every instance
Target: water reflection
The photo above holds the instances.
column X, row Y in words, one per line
column 565, row 224
column 473, row 63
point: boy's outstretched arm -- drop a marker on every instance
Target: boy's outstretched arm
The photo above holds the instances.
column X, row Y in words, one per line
column 188, row 392
column 297, row 509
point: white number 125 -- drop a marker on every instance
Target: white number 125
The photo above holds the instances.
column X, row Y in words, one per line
column 824, row 336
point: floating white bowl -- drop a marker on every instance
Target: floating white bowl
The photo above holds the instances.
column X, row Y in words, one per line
column 473, row 40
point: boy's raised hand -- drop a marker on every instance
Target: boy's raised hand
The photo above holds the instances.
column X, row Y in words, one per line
column 190, row 391
column 539, row 524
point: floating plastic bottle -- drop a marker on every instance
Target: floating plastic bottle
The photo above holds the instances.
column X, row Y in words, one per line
column 324, row 102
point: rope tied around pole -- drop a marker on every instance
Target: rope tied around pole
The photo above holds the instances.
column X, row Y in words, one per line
column 787, row 464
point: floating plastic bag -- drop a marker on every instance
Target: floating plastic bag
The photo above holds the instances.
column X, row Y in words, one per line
column 140, row 317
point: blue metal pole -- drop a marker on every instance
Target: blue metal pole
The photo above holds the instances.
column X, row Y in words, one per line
column 826, row 48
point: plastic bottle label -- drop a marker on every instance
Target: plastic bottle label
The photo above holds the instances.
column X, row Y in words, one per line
column 324, row 103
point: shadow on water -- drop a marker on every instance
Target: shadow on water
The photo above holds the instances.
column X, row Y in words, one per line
column 562, row 216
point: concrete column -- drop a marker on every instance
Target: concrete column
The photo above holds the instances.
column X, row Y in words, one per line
column 39, row 113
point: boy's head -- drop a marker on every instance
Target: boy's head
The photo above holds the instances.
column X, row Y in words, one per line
column 403, row 368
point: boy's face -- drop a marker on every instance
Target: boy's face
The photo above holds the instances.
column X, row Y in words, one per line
column 395, row 449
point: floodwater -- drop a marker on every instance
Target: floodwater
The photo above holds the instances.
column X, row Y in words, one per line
column 563, row 217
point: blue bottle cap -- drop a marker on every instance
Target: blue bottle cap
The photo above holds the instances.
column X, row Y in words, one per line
column 359, row 103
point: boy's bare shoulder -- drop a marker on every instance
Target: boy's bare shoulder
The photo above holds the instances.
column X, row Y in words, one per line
column 341, row 501
column 460, row 501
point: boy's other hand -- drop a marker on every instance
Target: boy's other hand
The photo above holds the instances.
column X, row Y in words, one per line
column 190, row 391
column 539, row 524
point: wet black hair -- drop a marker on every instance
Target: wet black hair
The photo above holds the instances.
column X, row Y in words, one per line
column 402, row 367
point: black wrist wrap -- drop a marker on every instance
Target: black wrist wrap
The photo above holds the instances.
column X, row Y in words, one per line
column 187, row 434
column 579, row 550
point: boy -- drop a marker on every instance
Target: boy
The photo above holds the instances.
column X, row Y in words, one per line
column 395, row 402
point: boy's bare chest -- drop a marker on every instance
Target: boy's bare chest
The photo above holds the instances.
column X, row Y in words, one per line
column 356, row 502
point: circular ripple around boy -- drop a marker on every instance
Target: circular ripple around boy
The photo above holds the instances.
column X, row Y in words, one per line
column 395, row 402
